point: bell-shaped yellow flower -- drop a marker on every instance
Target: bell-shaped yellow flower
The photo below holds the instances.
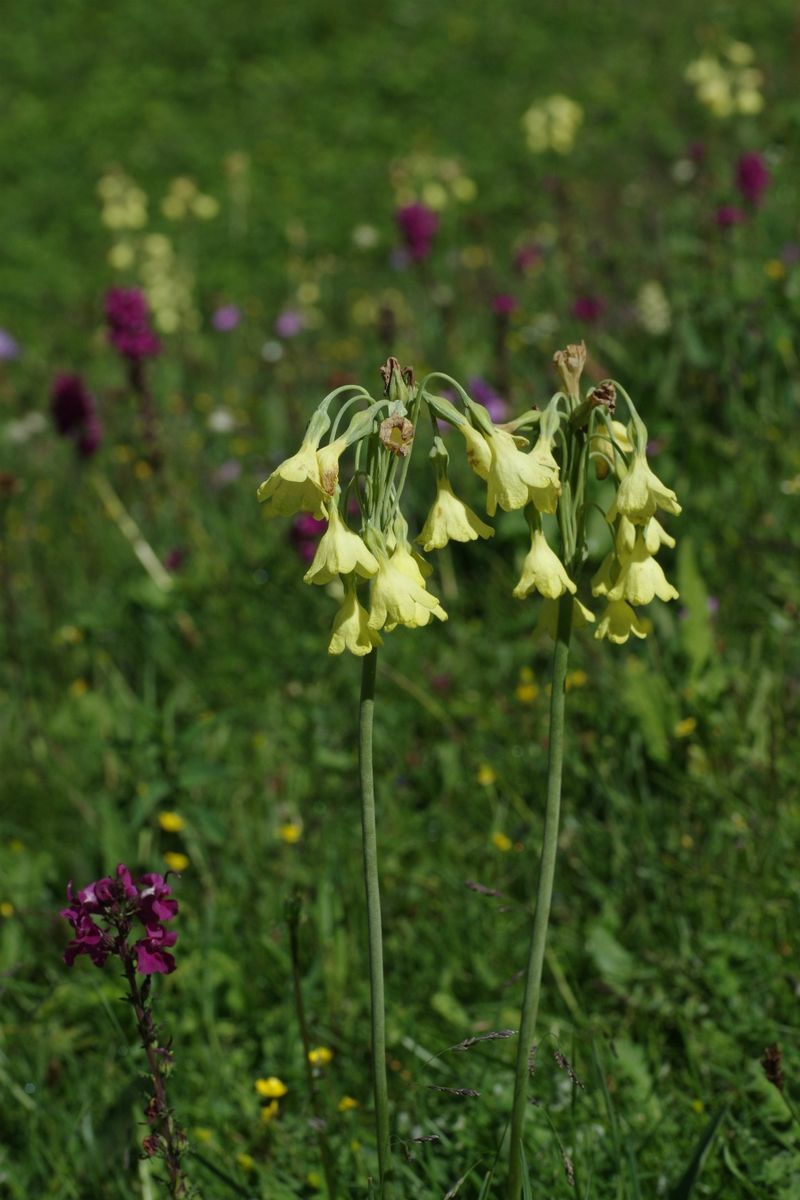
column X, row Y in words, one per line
column 451, row 520
column 351, row 629
column 641, row 492
column 543, row 571
column 602, row 444
column 514, row 476
column 655, row 536
column 641, row 578
column 548, row 617
column 328, row 461
column 399, row 595
column 618, row 622
column 546, row 497
column 295, row 486
column 605, row 577
column 339, row 552
column 479, row 456
column 625, row 538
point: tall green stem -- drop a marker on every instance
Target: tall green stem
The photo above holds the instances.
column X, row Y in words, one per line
column 370, row 843
column 547, row 868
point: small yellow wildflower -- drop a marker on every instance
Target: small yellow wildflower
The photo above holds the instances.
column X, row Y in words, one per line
column 687, row 841
column 142, row 470
column 176, row 861
column 575, row 679
column 6, row 908
column 698, row 1107
column 526, row 693
column 245, row 1162
column 486, row 775
column 314, row 1180
column 270, row 1111
column 290, row 832
column 774, row 269
column 171, row 822
column 320, row 1057
column 271, row 1088
column 501, row 841
column 202, row 1134
column 79, row 687
column 685, row 727
column 346, row 1104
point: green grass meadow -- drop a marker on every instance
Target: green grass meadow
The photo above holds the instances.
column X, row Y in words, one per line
column 673, row 956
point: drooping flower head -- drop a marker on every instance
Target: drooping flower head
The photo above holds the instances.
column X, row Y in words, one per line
column 129, row 329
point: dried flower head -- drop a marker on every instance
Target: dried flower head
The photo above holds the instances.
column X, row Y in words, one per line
column 397, row 434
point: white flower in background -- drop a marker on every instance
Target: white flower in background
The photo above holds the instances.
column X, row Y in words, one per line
column 728, row 85
column 25, row 428
column 124, row 204
column 653, row 308
column 552, row 124
column 365, row 237
column 221, row 420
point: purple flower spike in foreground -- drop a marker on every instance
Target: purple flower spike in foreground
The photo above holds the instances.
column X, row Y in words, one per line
column 105, row 914
column 129, row 328
column 752, row 178
column 418, row 225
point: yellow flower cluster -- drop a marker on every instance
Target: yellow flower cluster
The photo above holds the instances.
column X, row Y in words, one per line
column 435, row 181
column 729, row 85
column 184, row 199
column 629, row 575
column 124, row 204
column 552, row 124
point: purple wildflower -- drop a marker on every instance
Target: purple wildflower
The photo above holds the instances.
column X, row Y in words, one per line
column 70, row 404
column 504, row 304
column 527, row 258
column 90, row 438
column 305, row 531
column 484, row 394
column 117, row 903
column 728, row 215
column 752, row 177
column 588, row 309
column 129, row 328
column 289, row 323
column 418, row 225
column 9, row 347
column 226, row 317
column 175, row 559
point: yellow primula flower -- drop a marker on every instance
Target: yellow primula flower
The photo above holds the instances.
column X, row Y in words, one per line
column 400, row 598
column 271, row 1088
column 320, row 1056
column 514, row 476
column 543, row 571
column 548, row 617
column 451, row 520
column 351, row 630
column 295, row 486
column 618, row 622
column 655, row 536
column 328, row 461
column 606, row 575
column 479, row 456
column 641, row 578
column 641, row 492
column 602, row 444
column 340, row 552
column 545, row 497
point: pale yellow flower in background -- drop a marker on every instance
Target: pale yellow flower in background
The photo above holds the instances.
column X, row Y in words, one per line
column 176, row 861
column 347, row 1104
column 451, row 520
column 548, row 617
column 351, row 629
column 295, row 486
column 270, row 1111
column 290, row 832
column 340, row 551
column 685, row 727
column 479, row 456
column 543, row 571
column 320, row 1057
column 618, row 622
column 399, row 598
column 641, row 578
column 641, row 492
column 501, row 841
column 486, row 775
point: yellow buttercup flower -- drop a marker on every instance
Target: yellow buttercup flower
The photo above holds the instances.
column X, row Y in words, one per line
column 526, row 693
column 641, row 492
column 347, row 1104
column 171, row 822
column 501, row 841
column 340, row 552
column 543, row 571
column 548, row 617
column 451, row 520
column 479, row 456
column 271, row 1088
column 176, row 861
column 398, row 598
column 295, row 486
column 270, row 1111
column 351, row 630
column 486, row 775
column 290, row 832
column 618, row 622
column 641, row 578
column 515, row 476
column 320, row 1057
column 685, row 727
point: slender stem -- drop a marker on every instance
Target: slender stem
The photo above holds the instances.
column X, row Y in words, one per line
column 370, row 844
column 319, row 1121
column 547, row 867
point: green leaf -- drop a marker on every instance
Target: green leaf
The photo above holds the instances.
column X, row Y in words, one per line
column 697, row 633
column 684, row 1188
